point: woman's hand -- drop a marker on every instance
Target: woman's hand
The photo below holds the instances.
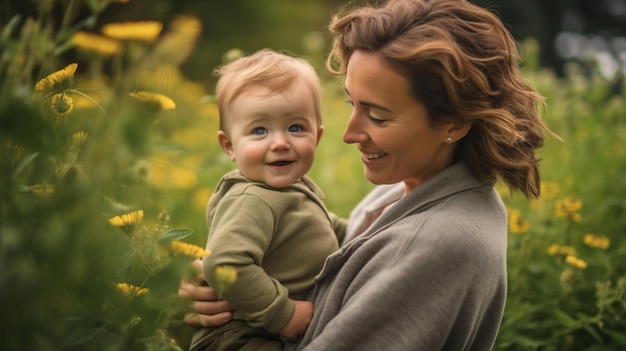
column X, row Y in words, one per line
column 207, row 310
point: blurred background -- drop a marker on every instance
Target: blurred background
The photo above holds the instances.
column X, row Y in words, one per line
column 95, row 185
column 565, row 29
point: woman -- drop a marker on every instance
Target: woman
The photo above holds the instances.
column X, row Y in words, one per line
column 440, row 112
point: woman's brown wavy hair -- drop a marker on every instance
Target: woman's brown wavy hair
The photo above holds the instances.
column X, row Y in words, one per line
column 463, row 64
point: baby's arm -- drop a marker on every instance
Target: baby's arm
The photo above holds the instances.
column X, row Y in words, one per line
column 299, row 321
column 339, row 226
column 240, row 234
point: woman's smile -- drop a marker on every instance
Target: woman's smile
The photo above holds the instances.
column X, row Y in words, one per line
column 373, row 156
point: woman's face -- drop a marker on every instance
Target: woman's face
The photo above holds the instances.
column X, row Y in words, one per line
column 390, row 127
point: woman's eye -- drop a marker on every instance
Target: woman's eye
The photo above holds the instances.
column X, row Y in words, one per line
column 259, row 131
column 372, row 118
column 295, row 128
column 376, row 119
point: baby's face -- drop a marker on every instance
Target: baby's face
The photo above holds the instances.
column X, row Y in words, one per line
column 272, row 137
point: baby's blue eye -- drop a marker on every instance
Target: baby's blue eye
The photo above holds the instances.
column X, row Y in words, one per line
column 295, row 128
column 349, row 102
column 259, row 131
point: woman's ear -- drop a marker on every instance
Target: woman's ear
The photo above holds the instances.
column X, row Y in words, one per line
column 457, row 131
column 226, row 144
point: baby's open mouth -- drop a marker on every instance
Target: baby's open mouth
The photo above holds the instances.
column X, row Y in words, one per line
column 280, row 163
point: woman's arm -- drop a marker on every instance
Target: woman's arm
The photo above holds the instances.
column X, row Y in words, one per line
column 208, row 311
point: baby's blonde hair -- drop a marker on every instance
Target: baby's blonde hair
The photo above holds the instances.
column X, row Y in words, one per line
column 264, row 71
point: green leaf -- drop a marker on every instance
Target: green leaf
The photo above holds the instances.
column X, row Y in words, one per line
column 618, row 337
column 24, row 162
column 593, row 332
column 565, row 319
column 526, row 342
column 174, row 234
column 11, row 26
column 79, row 336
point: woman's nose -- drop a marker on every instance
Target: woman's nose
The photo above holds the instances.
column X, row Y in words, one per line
column 353, row 133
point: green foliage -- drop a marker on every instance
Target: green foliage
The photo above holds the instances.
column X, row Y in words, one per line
column 567, row 270
column 80, row 267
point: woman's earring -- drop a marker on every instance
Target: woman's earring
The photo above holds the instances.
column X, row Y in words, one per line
column 449, row 140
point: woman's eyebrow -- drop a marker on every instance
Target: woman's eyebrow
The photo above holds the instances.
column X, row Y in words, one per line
column 369, row 104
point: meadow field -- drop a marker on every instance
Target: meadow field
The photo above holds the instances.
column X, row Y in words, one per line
column 108, row 156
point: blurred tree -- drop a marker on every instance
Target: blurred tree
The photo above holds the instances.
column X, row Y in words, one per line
column 284, row 24
column 243, row 24
column 544, row 20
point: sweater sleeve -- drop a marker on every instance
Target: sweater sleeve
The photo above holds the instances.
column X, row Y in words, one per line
column 239, row 235
column 339, row 226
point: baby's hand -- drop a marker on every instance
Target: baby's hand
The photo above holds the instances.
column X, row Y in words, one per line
column 299, row 321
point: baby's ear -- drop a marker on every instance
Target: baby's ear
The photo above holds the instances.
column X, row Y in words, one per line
column 320, row 132
column 226, row 144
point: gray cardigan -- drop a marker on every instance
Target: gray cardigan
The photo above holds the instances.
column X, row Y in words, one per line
column 428, row 274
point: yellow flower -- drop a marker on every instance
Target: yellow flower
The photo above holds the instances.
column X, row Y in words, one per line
column 58, row 81
column 141, row 170
column 561, row 250
column 178, row 43
column 549, row 190
column 233, row 54
column 79, row 137
column 128, row 218
column 200, row 198
column 224, row 277
column 567, row 279
column 183, row 178
column 164, row 174
column 127, row 221
column 60, row 104
column 141, row 30
column 43, row 189
column 575, row 262
column 596, row 241
column 517, row 224
column 568, row 276
column 130, row 290
column 568, row 208
column 11, row 151
column 187, row 26
column 96, row 43
column 153, row 102
column 571, row 204
column 187, row 249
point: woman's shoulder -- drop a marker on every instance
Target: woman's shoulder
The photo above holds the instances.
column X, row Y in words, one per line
column 473, row 214
column 468, row 224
